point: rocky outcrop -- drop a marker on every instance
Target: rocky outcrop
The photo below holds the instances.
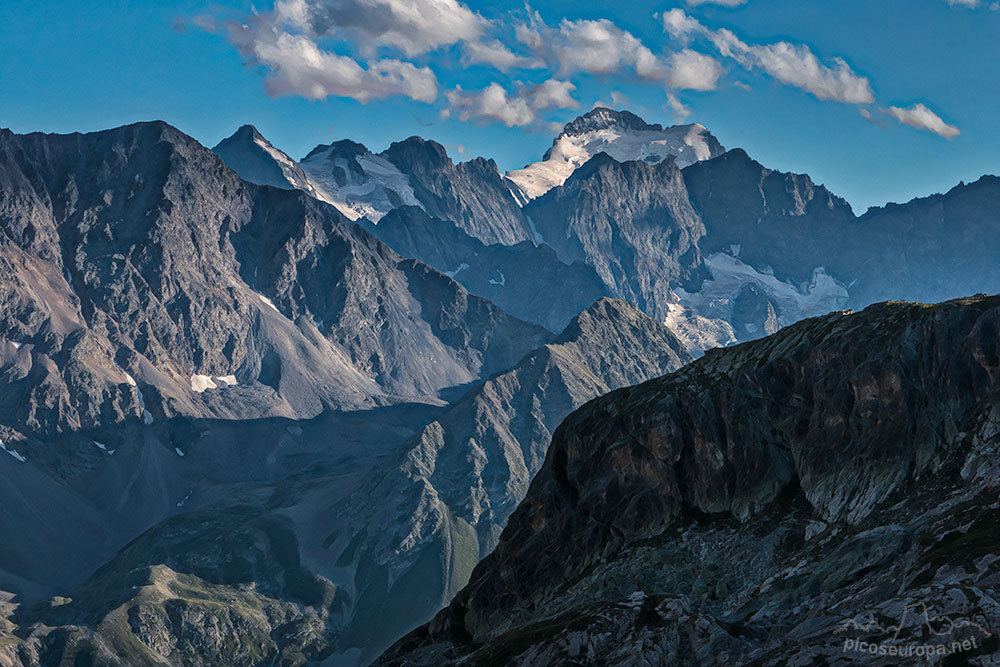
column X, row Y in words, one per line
column 768, row 504
column 633, row 223
column 511, row 276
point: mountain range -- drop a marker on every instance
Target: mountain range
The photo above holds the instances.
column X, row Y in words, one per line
column 266, row 411
column 709, row 241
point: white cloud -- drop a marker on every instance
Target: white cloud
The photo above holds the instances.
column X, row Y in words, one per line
column 796, row 65
column 690, row 70
column 592, row 46
column 494, row 53
column 553, row 94
column 922, row 118
column 297, row 66
column 412, row 26
column 680, row 26
column 680, row 111
column 724, row 3
column 492, row 104
column 792, row 64
column 495, row 105
column 974, row 4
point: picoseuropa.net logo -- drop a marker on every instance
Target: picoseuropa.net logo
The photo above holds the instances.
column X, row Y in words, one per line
column 919, row 634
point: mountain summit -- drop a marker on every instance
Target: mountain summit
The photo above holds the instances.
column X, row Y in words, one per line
column 255, row 159
column 622, row 135
column 602, row 118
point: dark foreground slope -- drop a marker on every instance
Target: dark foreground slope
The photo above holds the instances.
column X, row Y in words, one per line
column 767, row 504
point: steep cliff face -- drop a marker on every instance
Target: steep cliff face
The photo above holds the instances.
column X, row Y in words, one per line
column 142, row 279
column 771, row 219
column 471, row 194
column 765, row 504
column 632, row 222
column 928, row 249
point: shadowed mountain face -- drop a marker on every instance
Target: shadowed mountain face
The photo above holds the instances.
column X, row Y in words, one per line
column 142, row 279
column 754, row 503
column 511, row 276
column 256, row 160
column 632, row 222
column 778, row 220
column 926, row 250
column 471, row 194
column 929, row 249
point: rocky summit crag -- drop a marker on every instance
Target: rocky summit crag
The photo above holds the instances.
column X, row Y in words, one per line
column 764, row 505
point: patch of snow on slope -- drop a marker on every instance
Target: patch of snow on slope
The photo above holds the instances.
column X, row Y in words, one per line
column 12, row 452
column 147, row 416
column 376, row 190
column 179, row 452
column 268, row 302
column 696, row 332
column 501, row 282
column 185, row 498
column 822, row 295
column 451, row 274
column 687, row 144
column 199, row 383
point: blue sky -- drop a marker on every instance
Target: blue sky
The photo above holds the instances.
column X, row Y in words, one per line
column 881, row 100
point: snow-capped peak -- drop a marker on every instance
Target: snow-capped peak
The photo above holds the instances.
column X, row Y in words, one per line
column 356, row 181
column 622, row 135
